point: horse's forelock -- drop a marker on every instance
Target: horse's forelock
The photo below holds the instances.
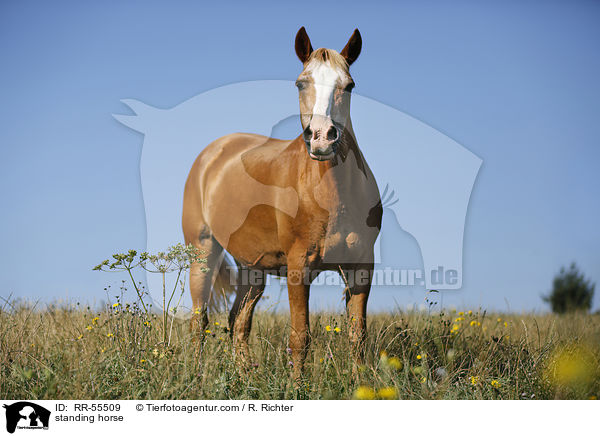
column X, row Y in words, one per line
column 326, row 55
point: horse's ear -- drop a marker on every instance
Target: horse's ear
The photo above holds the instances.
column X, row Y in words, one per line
column 352, row 49
column 303, row 45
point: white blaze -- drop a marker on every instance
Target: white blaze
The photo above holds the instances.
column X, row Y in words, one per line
column 325, row 78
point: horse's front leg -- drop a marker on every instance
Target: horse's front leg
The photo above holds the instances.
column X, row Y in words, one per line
column 357, row 294
column 298, row 293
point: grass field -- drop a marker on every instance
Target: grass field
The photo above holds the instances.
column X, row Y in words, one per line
column 118, row 353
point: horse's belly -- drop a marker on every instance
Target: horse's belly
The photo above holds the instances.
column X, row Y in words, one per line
column 255, row 243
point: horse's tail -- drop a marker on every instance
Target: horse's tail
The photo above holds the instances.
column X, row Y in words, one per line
column 225, row 284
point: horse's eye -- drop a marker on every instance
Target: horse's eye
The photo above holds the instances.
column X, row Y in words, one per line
column 300, row 85
column 349, row 87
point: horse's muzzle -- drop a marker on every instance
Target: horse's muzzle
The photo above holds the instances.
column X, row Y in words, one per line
column 323, row 155
column 321, row 146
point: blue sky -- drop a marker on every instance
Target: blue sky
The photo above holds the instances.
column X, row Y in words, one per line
column 514, row 82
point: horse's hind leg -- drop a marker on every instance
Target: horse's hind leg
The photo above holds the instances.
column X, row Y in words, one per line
column 240, row 317
column 202, row 276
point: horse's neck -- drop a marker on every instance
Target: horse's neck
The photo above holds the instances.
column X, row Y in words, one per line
column 334, row 183
column 349, row 160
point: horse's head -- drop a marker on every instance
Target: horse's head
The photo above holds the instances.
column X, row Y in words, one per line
column 325, row 85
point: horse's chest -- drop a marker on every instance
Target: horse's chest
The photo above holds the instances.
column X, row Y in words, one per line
column 348, row 238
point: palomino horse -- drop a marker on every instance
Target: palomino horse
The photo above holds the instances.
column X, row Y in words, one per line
column 289, row 207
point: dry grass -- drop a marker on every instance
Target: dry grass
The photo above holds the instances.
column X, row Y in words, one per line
column 76, row 353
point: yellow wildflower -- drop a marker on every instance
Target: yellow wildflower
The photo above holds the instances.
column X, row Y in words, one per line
column 217, row 323
column 95, row 320
column 423, row 379
column 110, row 335
column 505, row 324
column 197, row 311
column 495, row 384
column 470, row 312
column 147, row 323
column 421, row 356
column 573, row 366
column 89, row 328
column 328, row 328
column 208, row 332
column 383, row 358
column 475, row 323
column 499, row 320
column 103, row 350
column 461, row 313
column 79, row 337
column 387, row 393
column 32, row 345
column 395, row 363
column 459, row 319
column 474, row 380
column 337, row 329
column 364, row 393
column 116, row 304
column 143, row 361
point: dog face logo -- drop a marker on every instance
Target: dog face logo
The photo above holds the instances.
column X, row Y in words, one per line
column 26, row 415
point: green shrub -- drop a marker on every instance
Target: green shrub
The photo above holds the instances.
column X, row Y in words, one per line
column 570, row 291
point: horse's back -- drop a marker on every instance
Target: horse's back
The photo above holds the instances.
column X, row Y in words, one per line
column 231, row 148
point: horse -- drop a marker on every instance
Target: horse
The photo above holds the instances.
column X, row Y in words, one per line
column 292, row 208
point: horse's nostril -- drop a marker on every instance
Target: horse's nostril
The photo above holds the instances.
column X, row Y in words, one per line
column 307, row 133
column 332, row 134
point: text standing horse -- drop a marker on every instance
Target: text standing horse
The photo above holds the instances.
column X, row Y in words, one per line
column 289, row 207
